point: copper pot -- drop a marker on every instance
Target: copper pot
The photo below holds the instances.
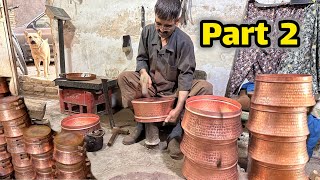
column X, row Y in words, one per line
column 2, row 136
column 279, row 151
column 10, row 102
column 38, row 139
column 21, row 160
column 43, row 161
column 278, row 121
column 81, row 123
column 4, row 88
column 14, row 113
column 14, row 128
column 15, row 144
column 26, row 173
column 45, row 174
column 4, row 153
column 212, row 117
column 284, row 90
column 6, row 167
column 75, row 171
column 193, row 171
column 69, row 148
column 260, row 171
column 153, row 109
column 208, row 153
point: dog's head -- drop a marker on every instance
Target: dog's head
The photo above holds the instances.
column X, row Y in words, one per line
column 33, row 39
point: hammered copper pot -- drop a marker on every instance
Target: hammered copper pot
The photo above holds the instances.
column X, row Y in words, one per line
column 153, row 109
column 284, row 90
column 10, row 102
column 193, row 171
column 15, row 144
column 14, row 113
column 81, row 123
column 6, row 167
column 279, row 151
column 4, row 88
column 38, row 139
column 26, row 173
column 43, row 161
column 278, row 121
column 21, row 160
column 69, row 148
column 209, row 154
column 4, row 153
column 15, row 127
column 75, row 171
column 212, row 117
column 261, row 171
column 45, row 174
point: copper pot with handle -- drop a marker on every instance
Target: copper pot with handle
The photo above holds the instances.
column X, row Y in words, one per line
column 14, row 113
column 69, row 148
column 38, row 139
column 26, row 173
column 15, row 144
column 21, row 160
column 10, row 102
column 75, row 171
column 43, row 161
column 6, row 167
column 15, row 127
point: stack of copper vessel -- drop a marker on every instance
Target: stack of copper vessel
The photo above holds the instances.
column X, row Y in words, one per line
column 278, row 126
column 39, row 145
column 6, row 168
column 70, row 156
column 212, row 126
column 14, row 118
column 4, row 89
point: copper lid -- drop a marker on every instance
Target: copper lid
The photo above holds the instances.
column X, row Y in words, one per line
column 37, row 132
column 69, row 139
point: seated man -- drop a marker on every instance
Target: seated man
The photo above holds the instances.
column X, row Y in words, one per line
column 165, row 66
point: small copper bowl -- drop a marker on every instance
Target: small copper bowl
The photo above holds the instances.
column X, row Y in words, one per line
column 26, row 173
column 15, row 144
column 285, row 90
column 15, row 127
column 154, row 109
column 38, row 139
column 278, row 121
column 208, row 153
column 279, row 151
column 193, row 171
column 75, row 171
column 81, row 123
column 260, row 171
column 21, row 160
column 69, row 148
column 42, row 161
column 6, row 167
column 212, row 117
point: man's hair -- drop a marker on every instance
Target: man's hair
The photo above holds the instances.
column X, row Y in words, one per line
column 168, row 9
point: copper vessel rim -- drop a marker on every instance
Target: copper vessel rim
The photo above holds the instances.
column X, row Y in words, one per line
column 288, row 109
column 44, row 155
column 280, row 167
column 153, row 117
column 163, row 100
column 210, row 141
column 207, row 168
column 283, row 138
column 80, row 128
column 69, row 151
column 210, row 138
column 284, row 78
column 77, row 116
column 13, row 122
column 9, row 99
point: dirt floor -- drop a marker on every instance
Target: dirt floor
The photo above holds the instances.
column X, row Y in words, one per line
column 121, row 162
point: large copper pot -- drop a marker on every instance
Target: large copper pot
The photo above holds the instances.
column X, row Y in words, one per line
column 260, row 171
column 26, row 173
column 212, row 117
column 81, row 123
column 284, row 90
column 43, row 161
column 69, row 148
column 279, row 151
column 278, row 121
column 75, row 171
column 10, row 102
column 21, row 160
column 4, row 153
column 193, row 171
column 153, row 109
column 208, row 153
column 4, row 88
column 6, row 167
column 38, row 139
column 14, row 113
column 15, row 144
column 45, row 174
column 15, row 127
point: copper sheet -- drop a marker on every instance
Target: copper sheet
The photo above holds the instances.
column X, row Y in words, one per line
column 10, row 102
column 81, row 123
column 259, row 171
column 4, row 88
column 21, row 159
column 279, row 151
column 6, row 168
column 278, row 121
column 26, row 173
column 15, row 144
column 14, row 113
column 286, row 90
column 212, row 117
column 153, row 109
column 209, row 154
column 193, row 171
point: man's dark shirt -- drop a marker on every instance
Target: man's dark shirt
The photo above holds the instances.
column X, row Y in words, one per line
column 170, row 67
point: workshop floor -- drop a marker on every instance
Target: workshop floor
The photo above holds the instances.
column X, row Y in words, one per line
column 121, row 162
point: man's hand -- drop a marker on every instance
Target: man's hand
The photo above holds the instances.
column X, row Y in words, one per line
column 174, row 113
column 173, row 116
column 145, row 82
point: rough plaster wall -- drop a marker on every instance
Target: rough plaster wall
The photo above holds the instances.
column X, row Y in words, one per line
column 97, row 44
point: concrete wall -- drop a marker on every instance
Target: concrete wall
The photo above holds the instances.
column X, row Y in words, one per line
column 96, row 44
